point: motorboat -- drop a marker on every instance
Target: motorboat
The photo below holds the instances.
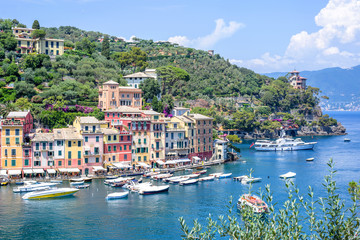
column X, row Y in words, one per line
column 180, row 179
column 171, row 178
column 149, row 174
column 52, row 193
column 216, row 174
column 161, row 176
column 82, row 186
column 208, row 178
column 194, row 175
column 200, row 172
column 248, row 180
column 4, row 182
column 77, row 183
column 347, row 140
column 256, row 204
column 154, row 189
column 137, row 187
column 19, row 183
column 111, row 176
column 87, row 179
column 34, row 187
column 56, row 181
column 283, row 144
column 239, row 178
column 118, row 180
column 225, row 175
column 288, row 175
column 117, row 195
column 188, row 182
column 77, row 180
column 310, row 159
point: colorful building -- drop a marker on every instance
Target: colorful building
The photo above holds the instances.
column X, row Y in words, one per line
column 296, row 81
column 111, row 96
column 43, row 153
column 73, row 159
column 135, row 79
column 177, row 144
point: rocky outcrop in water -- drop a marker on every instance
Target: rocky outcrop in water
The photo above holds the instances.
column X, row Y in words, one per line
column 322, row 130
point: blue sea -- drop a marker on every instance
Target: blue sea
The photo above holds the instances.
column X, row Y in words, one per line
column 88, row 215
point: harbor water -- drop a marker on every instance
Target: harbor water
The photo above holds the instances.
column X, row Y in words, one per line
column 87, row 215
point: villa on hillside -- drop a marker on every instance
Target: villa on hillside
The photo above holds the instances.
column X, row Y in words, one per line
column 296, row 81
column 135, row 79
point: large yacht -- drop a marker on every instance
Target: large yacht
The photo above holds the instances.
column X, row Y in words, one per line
column 283, row 144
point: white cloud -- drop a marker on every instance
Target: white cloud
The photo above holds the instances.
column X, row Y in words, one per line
column 339, row 23
column 221, row 31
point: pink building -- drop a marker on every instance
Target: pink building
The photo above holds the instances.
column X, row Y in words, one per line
column 296, row 81
column 111, row 96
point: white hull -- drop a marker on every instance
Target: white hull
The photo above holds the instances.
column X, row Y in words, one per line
column 117, row 195
column 53, row 193
column 309, row 146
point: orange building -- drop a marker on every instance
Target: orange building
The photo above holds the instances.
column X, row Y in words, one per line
column 111, row 96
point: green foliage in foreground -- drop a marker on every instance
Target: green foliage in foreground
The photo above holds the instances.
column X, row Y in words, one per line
column 300, row 217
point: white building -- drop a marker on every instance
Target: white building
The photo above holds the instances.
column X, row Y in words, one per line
column 176, row 142
column 135, row 79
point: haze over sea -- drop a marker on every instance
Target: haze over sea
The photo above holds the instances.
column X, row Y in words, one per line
column 88, row 216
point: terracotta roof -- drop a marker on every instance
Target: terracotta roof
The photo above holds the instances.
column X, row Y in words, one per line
column 43, row 137
column 67, row 134
column 108, row 131
column 139, row 75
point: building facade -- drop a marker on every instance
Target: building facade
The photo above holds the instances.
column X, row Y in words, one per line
column 297, row 81
column 135, row 79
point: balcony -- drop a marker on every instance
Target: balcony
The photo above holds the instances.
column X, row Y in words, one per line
column 12, row 123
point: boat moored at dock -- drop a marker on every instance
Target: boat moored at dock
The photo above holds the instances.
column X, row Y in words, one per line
column 154, row 189
column 283, row 144
column 52, row 193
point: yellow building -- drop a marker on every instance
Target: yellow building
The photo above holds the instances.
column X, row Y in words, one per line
column 27, row 44
column 11, row 145
column 140, row 142
column 73, row 147
column 111, row 145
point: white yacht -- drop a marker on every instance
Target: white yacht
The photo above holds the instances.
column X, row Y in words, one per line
column 283, row 144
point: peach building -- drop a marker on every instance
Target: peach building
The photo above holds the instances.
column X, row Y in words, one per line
column 111, row 96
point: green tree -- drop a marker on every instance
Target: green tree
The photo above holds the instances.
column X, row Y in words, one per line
column 24, row 89
column 86, row 45
column 138, row 59
column 36, row 24
column 12, row 69
column 38, row 33
column 105, row 48
column 123, row 58
column 172, row 78
column 23, row 104
column 150, row 88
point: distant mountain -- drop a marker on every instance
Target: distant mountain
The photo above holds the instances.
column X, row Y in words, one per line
column 342, row 86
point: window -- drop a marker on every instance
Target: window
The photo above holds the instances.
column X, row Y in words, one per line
column 172, row 135
column 144, row 158
column 128, row 138
column 144, row 140
column 114, row 138
column 157, row 155
column 125, row 147
column 69, row 143
column 86, row 128
column 50, row 146
column 26, row 152
column 96, row 149
column 79, row 143
column 97, row 159
column 209, row 130
column 7, row 131
column 13, row 163
column 120, row 148
column 86, row 139
column 122, row 138
column 59, row 163
column 139, row 141
column 113, row 158
column 109, row 148
column 69, row 163
column 166, row 145
column 204, row 131
column 59, row 143
column 198, row 149
column 198, row 131
column 26, row 163
column 97, row 139
column 52, row 44
column 5, row 163
column 79, row 154
column 109, row 138
column 44, row 145
column 79, row 162
column 139, row 159
column 7, row 140
column 125, row 156
column 57, row 45
column 46, row 44
column 13, row 152
column 17, row 132
column 86, row 160
column 37, row 163
column 60, row 153
column 69, row 154
column 114, row 148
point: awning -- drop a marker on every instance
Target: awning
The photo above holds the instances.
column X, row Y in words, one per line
column 38, row 170
column 196, row 158
column 98, row 168
column 121, row 165
column 141, row 164
column 182, row 160
column 14, row 172
column 62, row 169
column 170, row 162
column 51, row 171
column 160, row 162
column 3, row 172
column 28, row 171
column 73, row 170
column 171, row 153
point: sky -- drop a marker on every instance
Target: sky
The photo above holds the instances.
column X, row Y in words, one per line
column 262, row 35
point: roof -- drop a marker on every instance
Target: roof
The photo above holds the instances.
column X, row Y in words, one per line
column 127, row 89
column 150, row 112
column 124, row 109
column 197, row 116
column 184, row 119
column 67, row 133
column 110, row 82
column 181, row 108
column 18, row 114
column 43, row 137
column 108, row 131
column 139, row 75
column 88, row 120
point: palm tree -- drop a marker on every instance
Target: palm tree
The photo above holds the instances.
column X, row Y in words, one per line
column 6, row 108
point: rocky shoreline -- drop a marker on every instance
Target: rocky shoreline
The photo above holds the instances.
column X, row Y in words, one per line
column 303, row 131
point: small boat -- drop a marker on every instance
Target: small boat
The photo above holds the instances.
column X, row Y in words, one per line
column 250, row 180
column 188, row 169
column 34, row 187
column 200, row 167
column 118, row 184
column 347, row 140
column 117, row 180
column 179, row 179
column 200, row 172
column 161, row 176
column 4, row 183
column 137, row 187
column 56, row 181
column 117, row 195
column 31, row 182
column 77, row 183
column 208, row 178
column 194, row 175
column 288, row 175
column 149, row 174
column 225, row 175
column 310, row 159
column 256, row 204
column 87, row 179
column 188, row 182
column 19, row 183
column 216, row 174
column 111, row 176
column 153, row 189
column 239, row 178
column 82, row 186
column 52, row 193
column 77, row 180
